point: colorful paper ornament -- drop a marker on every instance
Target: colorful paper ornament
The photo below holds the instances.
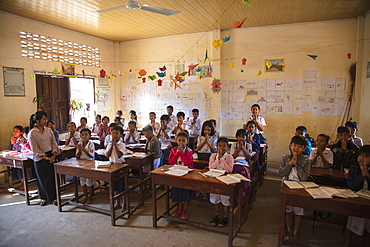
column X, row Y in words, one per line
column 130, row 70
column 177, row 85
column 142, row 72
column 183, row 73
column 349, row 55
column 216, row 85
column 231, row 65
column 226, row 39
column 191, row 67
column 244, row 61
column 249, row 2
column 125, row 73
column 207, row 58
column 32, row 76
column 217, row 43
column 242, row 70
column 102, row 73
column 268, row 64
column 119, row 73
column 238, row 24
column 83, row 73
column 161, row 74
column 201, row 75
column 159, row 83
column 143, row 79
column 312, row 56
column 152, row 77
column 54, row 73
column 259, row 73
column 283, row 64
column 199, row 69
column 163, row 68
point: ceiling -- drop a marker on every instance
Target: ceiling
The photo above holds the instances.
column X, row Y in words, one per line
column 196, row 15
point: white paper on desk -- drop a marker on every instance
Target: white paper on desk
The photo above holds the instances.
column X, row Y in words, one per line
column 176, row 172
column 347, row 192
column 66, row 147
column 214, row 172
column 102, row 164
column 309, row 184
column 182, row 168
column 317, row 193
column 228, row 180
column 238, row 176
column 293, row 184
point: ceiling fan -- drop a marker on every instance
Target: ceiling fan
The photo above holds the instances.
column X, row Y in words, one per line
column 133, row 4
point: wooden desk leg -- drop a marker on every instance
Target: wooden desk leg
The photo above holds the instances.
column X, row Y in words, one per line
column 154, row 204
column 167, row 188
column 57, row 185
column 141, row 187
column 75, row 180
column 10, row 178
column 111, row 202
column 25, row 184
column 282, row 220
column 127, row 195
column 231, row 221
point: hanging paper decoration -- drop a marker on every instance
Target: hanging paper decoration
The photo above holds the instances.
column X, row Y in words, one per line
column 130, row 70
column 143, row 79
column 102, row 73
column 216, row 85
column 171, row 83
column 191, row 67
column 226, row 39
column 177, row 85
column 152, row 77
column 119, row 73
column 32, row 76
column 312, row 56
column 231, row 65
column 54, row 73
column 217, row 43
column 83, row 73
column 242, row 70
column 249, row 2
column 201, row 75
column 283, row 64
column 238, row 24
column 207, row 58
column 199, row 69
column 125, row 73
column 111, row 76
column 244, row 61
column 159, row 83
column 268, row 64
column 259, row 73
column 163, row 68
column 142, row 72
column 161, row 74
column 349, row 55
column 184, row 73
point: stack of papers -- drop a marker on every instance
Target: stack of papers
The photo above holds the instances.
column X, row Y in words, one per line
column 66, row 147
column 178, row 170
column 300, row 185
column 102, row 164
column 364, row 193
column 328, row 192
column 215, row 173
column 233, row 178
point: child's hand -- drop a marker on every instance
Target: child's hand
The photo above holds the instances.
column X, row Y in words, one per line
column 344, row 144
column 79, row 146
column 13, row 140
column 364, row 171
column 180, row 148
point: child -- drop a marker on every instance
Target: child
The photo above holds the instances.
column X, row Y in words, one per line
column 85, row 151
column 133, row 136
column 295, row 167
column 217, row 134
column 97, row 124
column 241, row 147
column 104, row 129
column 115, row 151
column 260, row 121
column 181, row 155
column 359, row 178
column 322, row 156
column 17, row 142
column 153, row 146
column 253, row 138
column 353, row 128
column 51, row 125
column 108, row 138
column 121, row 119
column 164, row 133
column 207, row 141
column 224, row 161
column 133, row 117
column 117, row 121
column 172, row 120
column 345, row 151
column 195, row 124
column 155, row 125
column 83, row 124
column 180, row 125
column 72, row 136
column 301, row 131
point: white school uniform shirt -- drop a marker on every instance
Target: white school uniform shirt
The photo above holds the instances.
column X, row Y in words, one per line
column 130, row 140
column 113, row 158
column 108, row 139
column 90, row 147
column 328, row 155
column 156, row 125
column 194, row 128
column 172, row 122
column 76, row 136
column 162, row 137
column 184, row 126
column 260, row 119
column 358, row 141
column 212, row 140
column 234, row 146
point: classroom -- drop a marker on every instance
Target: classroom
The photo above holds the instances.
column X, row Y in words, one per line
column 305, row 63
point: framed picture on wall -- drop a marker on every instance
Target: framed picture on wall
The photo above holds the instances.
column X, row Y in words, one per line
column 274, row 65
column 13, row 81
column 68, row 69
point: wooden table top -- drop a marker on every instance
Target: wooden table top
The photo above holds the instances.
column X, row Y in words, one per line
column 319, row 171
column 88, row 165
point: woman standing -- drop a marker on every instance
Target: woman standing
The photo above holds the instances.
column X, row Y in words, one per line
column 45, row 149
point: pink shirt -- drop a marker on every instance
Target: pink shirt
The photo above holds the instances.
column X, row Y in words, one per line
column 226, row 162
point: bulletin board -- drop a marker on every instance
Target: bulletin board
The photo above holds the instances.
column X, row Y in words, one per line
column 13, row 81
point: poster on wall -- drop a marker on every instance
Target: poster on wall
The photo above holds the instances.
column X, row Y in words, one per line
column 13, row 81
column 103, row 99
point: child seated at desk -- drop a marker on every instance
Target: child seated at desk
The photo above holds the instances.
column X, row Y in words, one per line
column 133, row 117
column 322, row 156
column 345, row 151
column 253, row 138
column 133, row 135
column 104, row 129
column 180, row 125
column 241, row 148
column 153, row 146
column 295, row 167
column 118, row 122
column 301, row 131
column 217, row 133
column 194, row 124
column 155, row 125
column 72, row 136
column 97, row 124
column 85, row 150
column 108, row 139
column 51, row 125
column 207, row 141
column 181, row 155
column 17, row 143
column 224, row 161
column 121, row 119
column 83, row 124
column 164, row 133
column 359, row 178
column 353, row 128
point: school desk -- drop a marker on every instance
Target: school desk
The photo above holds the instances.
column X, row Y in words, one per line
column 316, row 172
column 194, row 181
column 86, row 169
column 357, row 206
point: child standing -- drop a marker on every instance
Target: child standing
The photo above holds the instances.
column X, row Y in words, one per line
column 51, row 125
column 133, row 117
column 104, row 129
column 322, row 156
column 241, row 147
column 295, row 167
column 172, row 118
column 121, row 119
column 180, row 126
column 133, row 136
column 353, row 128
column 253, row 138
column 194, row 124
column 153, row 146
column 260, row 121
column 83, row 124
column 181, row 155
column 97, row 123
column 345, row 151
column 155, row 125
column 164, row 133
column 72, row 136
column 85, row 151
column 217, row 133
column 207, row 141
column 224, row 161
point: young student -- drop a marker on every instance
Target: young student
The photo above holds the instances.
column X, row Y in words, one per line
column 225, row 161
column 164, row 133
column 194, row 124
column 51, row 125
column 180, row 125
column 17, row 142
column 108, row 138
column 345, row 151
column 322, row 156
column 117, row 122
column 260, row 121
column 133, row 117
column 295, row 167
column 353, row 128
column 133, row 136
column 153, row 146
column 121, row 119
column 104, row 129
column 359, row 178
column 115, row 151
column 85, row 150
column 72, row 136
column 155, row 125
column 97, row 124
column 83, row 124
column 217, row 133
column 301, row 131
column 207, row 142
column 253, row 138
column 181, row 155
column 241, row 147
column 172, row 121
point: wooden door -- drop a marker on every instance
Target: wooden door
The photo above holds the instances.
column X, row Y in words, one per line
column 56, row 99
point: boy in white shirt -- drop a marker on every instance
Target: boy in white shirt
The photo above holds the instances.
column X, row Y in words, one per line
column 155, row 125
column 108, row 138
column 353, row 128
column 133, row 136
column 72, row 136
column 172, row 118
column 164, row 133
column 195, row 124
column 322, row 156
column 180, row 125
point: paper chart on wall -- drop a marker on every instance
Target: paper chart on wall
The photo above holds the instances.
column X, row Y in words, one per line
column 340, row 84
column 297, row 108
column 330, row 84
column 340, row 96
column 270, row 96
column 297, row 95
column 279, row 84
column 289, row 96
column 239, row 96
column 288, row 109
column 104, row 97
column 315, row 108
column 298, row 84
column 279, row 96
column 262, row 84
column 262, row 95
column 309, row 73
column 330, row 96
column 251, row 92
column 320, row 97
column 270, row 108
column 187, row 104
column 270, row 84
column 306, row 91
column 307, row 105
column 251, row 84
column 320, row 84
column 233, row 86
column 289, row 84
column 237, row 115
column 252, row 100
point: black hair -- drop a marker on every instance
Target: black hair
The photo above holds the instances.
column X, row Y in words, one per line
column 252, row 122
column 118, row 128
column 32, row 121
column 180, row 114
column 147, row 128
column 258, row 106
column 326, row 137
column 51, row 121
column 26, row 129
column 364, row 150
column 37, row 117
column 18, row 127
column 195, row 110
column 213, row 121
column 209, row 124
column 301, row 128
column 241, row 132
column 165, row 117
column 299, row 140
column 106, row 117
column 132, row 122
column 152, row 112
column 119, row 111
column 72, row 123
column 170, row 106
column 98, row 115
column 83, row 118
column 184, row 134
column 223, row 139
column 119, row 119
column 85, row 129
column 351, row 124
column 112, row 125
column 133, row 113
column 342, row 129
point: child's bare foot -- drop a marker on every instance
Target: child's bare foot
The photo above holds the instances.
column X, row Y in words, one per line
column 290, row 237
column 85, row 200
column 90, row 201
column 295, row 238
